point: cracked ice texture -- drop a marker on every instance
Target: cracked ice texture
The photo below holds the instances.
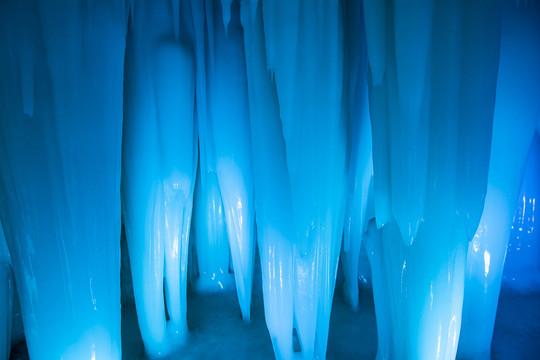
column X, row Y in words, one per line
column 226, row 149
column 294, row 59
column 60, row 124
column 433, row 69
column 516, row 119
column 159, row 167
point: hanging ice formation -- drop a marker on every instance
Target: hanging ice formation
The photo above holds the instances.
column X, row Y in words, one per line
column 521, row 265
column 6, row 297
column 516, row 118
column 224, row 138
column 432, row 75
column 360, row 167
column 159, row 167
column 294, row 60
column 60, row 124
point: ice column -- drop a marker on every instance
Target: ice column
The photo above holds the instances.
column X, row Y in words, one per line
column 432, row 77
column 360, row 167
column 60, row 139
column 159, row 163
column 225, row 136
column 6, row 297
column 294, row 58
column 517, row 113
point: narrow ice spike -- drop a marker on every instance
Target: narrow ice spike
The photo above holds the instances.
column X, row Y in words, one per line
column 229, row 117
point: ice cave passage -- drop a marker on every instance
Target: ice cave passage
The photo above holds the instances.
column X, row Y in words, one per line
column 269, row 179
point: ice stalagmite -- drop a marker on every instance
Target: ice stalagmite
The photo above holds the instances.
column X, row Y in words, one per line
column 294, row 59
column 159, row 167
column 226, row 139
column 517, row 113
column 60, row 139
column 432, row 94
column 6, row 297
column 360, row 167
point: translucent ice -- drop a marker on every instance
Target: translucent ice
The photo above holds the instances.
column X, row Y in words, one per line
column 522, row 264
column 227, row 150
column 294, row 59
column 517, row 112
column 431, row 139
column 159, row 167
column 360, row 167
column 60, row 125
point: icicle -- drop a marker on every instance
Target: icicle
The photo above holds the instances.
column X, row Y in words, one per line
column 226, row 14
column 375, row 23
column 6, row 297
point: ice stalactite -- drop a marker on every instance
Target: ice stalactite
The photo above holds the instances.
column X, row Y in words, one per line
column 6, row 297
column 159, row 167
column 360, row 170
column 294, row 59
column 60, row 125
column 522, row 262
column 516, row 118
column 225, row 144
column 432, row 80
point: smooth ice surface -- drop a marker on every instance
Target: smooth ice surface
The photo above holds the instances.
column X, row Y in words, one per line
column 517, row 112
column 6, row 297
column 61, row 67
column 431, row 126
column 159, row 165
column 522, row 264
column 294, row 59
column 227, row 146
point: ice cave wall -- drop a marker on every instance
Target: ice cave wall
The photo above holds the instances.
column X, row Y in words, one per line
column 233, row 113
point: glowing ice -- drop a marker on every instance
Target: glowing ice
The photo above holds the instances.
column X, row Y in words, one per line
column 432, row 95
column 226, row 155
column 517, row 113
column 159, row 168
column 294, row 56
column 60, row 125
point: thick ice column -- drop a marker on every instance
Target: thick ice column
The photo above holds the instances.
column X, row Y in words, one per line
column 516, row 114
column 294, row 55
column 159, row 168
column 60, row 138
column 360, row 167
column 431, row 154
column 6, row 297
column 227, row 127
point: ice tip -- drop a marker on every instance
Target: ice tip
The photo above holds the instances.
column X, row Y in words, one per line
column 226, row 14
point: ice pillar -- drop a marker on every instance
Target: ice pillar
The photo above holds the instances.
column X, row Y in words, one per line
column 294, row 59
column 432, row 77
column 60, row 138
column 159, row 163
column 517, row 113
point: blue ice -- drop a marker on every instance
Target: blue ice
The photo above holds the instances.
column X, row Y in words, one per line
column 61, row 70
